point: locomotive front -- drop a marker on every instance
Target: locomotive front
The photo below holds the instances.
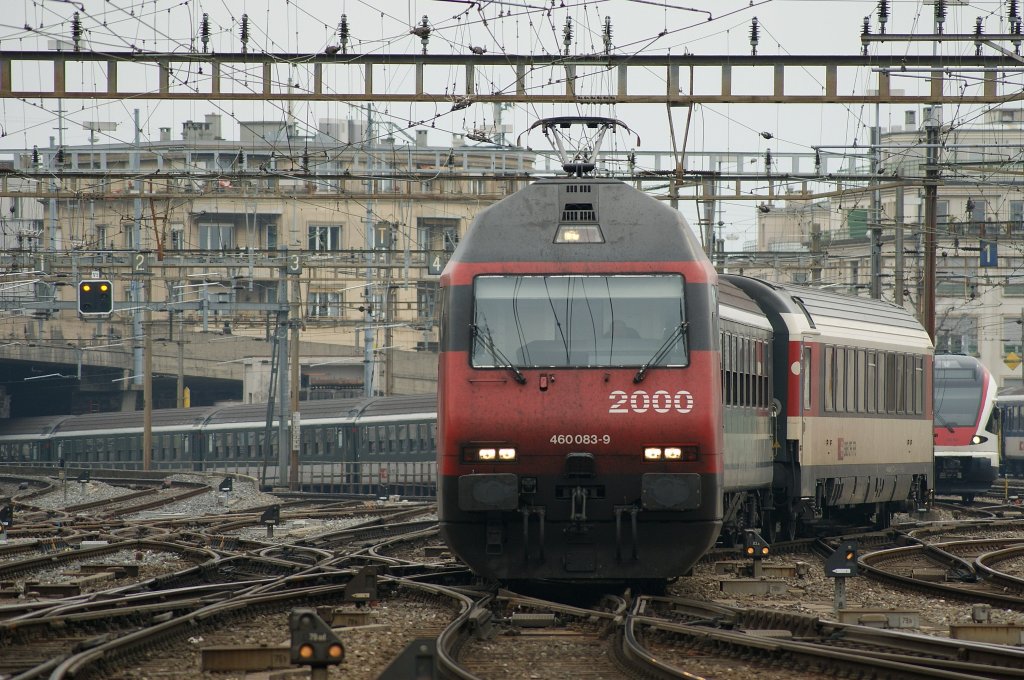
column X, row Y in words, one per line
column 579, row 405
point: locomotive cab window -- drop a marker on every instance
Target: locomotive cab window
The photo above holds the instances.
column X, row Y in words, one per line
column 579, row 321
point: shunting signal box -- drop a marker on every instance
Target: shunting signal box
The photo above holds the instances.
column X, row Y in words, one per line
column 313, row 642
column 843, row 562
column 95, row 297
column 754, row 546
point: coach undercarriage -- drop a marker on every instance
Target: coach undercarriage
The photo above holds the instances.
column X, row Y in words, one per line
column 779, row 516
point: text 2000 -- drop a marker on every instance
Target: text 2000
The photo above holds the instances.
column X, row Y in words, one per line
column 640, row 401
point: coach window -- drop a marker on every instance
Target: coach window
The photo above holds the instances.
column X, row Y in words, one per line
column 870, row 376
column 733, row 368
column 741, row 371
column 829, row 378
column 901, row 384
column 851, row 380
column 890, row 383
column 919, row 391
column 858, row 377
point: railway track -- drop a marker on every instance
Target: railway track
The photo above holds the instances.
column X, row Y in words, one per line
column 239, row 585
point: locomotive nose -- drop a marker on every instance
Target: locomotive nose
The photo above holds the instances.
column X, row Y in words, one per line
column 579, row 464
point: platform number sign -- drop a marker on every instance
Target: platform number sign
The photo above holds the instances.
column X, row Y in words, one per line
column 989, row 253
column 436, row 262
column 294, row 266
column 140, row 263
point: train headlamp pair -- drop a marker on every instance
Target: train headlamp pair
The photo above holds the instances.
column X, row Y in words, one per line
column 486, row 454
column 686, row 452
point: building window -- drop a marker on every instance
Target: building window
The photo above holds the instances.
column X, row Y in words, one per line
column 975, row 216
column 216, row 236
column 128, row 230
column 1013, row 336
column 1016, row 226
column 324, row 238
column 177, row 236
column 324, row 304
column 942, row 218
column 426, row 300
column 957, row 335
column 1013, row 289
column 101, row 237
column 271, row 237
column 437, row 233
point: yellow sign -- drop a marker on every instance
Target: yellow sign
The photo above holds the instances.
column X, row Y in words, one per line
column 187, row 398
column 1012, row 361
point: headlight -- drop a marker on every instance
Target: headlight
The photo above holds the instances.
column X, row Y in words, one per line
column 489, row 454
column 675, row 452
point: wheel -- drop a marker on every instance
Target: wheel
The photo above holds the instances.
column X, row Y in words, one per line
column 967, row 498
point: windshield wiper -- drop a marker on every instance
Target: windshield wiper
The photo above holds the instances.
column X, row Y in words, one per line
column 945, row 423
column 485, row 337
column 678, row 333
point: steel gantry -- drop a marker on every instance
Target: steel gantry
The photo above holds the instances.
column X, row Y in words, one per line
column 686, row 79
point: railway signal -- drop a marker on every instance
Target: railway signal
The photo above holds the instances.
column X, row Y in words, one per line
column 839, row 565
column 418, row 661
column 95, row 297
column 843, row 562
column 271, row 517
column 6, row 520
column 313, row 642
column 756, row 548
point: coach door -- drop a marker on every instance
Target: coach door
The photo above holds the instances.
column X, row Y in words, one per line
column 805, row 394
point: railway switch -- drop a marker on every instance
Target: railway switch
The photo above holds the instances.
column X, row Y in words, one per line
column 313, row 642
column 95, row 297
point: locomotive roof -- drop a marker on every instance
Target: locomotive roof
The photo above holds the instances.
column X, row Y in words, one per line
column 634, row 226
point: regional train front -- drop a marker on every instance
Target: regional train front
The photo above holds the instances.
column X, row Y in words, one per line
column 966, row 440
column 579, row 392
